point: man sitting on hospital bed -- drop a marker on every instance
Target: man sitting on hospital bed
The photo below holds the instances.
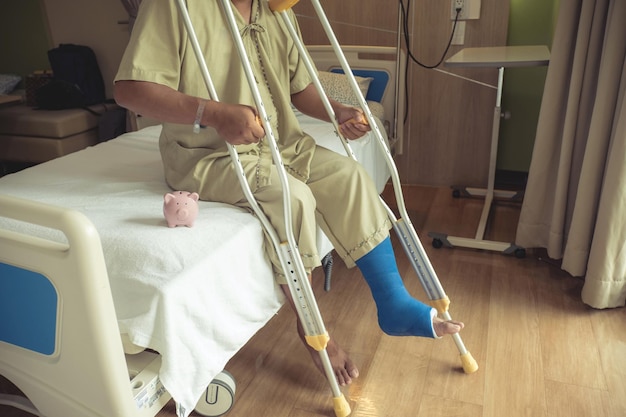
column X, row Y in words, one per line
column 159, row 77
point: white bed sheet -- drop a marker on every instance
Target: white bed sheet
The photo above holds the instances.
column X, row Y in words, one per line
column 196, row 295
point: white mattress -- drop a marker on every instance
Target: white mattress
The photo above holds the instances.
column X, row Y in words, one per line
column 196, row 295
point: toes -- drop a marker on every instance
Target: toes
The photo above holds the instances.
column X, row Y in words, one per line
column 342, row 377
column 453, row 327
column 346, row 373
column 343, row 367
column 351, row 369
column 448, row 327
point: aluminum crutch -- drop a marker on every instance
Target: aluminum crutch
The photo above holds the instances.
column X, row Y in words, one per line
column 403, row 226
column 315, row 332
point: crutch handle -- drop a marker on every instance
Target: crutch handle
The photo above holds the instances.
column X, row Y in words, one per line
column 354, row 121
column 281, row 5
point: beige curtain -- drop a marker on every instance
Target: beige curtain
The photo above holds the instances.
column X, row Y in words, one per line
column 575, row 201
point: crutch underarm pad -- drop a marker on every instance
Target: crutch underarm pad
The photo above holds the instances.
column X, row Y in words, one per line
column 469, row 363
column 281, row 5
column 318, row 341
column 342, row 408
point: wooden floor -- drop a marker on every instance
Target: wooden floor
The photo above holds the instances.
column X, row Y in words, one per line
column 540, row 350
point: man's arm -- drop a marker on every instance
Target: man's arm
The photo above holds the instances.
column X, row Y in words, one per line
column 351, row 120
column 156, row 101
column 237, row 124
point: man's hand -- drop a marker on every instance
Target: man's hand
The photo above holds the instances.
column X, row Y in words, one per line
column 352, row 122
column 237, row 124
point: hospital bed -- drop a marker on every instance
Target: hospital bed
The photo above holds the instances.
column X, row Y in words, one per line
column 106, row 311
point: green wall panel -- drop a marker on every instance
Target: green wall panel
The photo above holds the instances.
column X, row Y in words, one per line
column 25, row 37
column 531, row 22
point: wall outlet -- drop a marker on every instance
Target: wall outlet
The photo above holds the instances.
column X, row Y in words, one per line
column 470, row 9
column 458, row 4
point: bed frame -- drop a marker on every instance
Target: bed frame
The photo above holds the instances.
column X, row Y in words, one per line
column 66, row 327
column 60, row 341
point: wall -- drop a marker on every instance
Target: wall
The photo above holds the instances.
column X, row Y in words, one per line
column 449, row 119
column 93, row 23
column 35, row 26
column 25, row 37
column 531, row 22
column 354, row 22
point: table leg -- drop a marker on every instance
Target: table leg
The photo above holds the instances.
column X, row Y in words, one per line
column 478, row 242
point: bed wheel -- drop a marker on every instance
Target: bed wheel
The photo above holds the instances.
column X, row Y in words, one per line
column 219, row 396
column 437, row 243
column 520, row 253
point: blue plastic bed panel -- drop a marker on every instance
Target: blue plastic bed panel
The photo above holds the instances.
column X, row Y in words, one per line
column 28, row 309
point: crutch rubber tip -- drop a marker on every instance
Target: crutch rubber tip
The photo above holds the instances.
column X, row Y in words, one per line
column 469, row 363
column 342, row 408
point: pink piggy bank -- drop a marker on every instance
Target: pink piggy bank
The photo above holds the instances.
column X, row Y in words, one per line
column 180, row 208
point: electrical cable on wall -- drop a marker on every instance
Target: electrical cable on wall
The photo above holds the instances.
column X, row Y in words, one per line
column 405, row 30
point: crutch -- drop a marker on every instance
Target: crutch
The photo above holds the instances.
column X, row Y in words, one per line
column 403, row 226
column 308, row 312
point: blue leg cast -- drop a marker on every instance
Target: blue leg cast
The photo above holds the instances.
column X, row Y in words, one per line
column 399, row 314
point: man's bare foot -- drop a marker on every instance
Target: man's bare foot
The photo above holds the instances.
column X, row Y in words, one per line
column 345, row 370
column 444, row 327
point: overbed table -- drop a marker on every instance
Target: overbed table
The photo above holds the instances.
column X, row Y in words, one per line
column 500, row 57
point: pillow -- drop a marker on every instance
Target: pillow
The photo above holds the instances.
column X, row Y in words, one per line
column 8, row 82
column 337, row 87
column 377, row 109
